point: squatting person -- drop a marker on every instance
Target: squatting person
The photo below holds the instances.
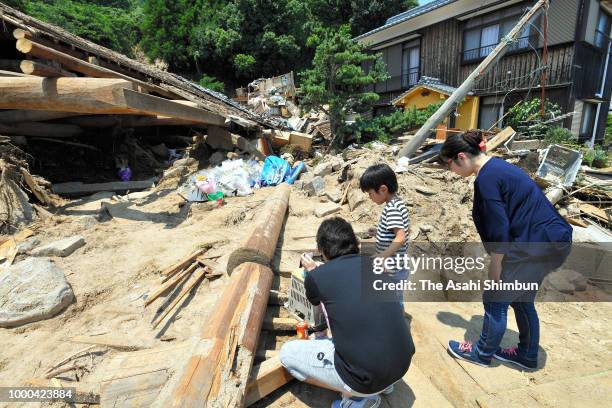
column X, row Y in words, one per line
column 370, row 346
column 525, row 237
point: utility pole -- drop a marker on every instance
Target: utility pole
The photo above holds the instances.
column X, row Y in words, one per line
column 545, row 59
column 461, row 92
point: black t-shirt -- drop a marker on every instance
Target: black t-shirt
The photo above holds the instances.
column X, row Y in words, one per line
column 372, row 340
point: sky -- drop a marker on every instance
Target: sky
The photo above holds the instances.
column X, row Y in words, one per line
column 421, row 2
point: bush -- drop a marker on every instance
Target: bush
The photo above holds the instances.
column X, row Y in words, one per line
column 596, row 157
column 608, row 137
column 526, row 114
column 383, row 127
column 559, row 135
column 212, row 83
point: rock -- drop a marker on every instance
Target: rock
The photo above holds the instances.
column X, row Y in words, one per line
column 160, row 150
column 216, row 158
column 299, row 184
column 323, row 169
column 219, row 139
column 575, row 278
column 32, row 290
column 62, row 247
column 337, row 163
column 26, row 246
column 355, row 198
column 426, row 228
column 86, row 221
column 345, row 174
column 315, row 187
column 288, row 157
column 334, row 195
column 326, row 209
column 187, row 161
column 424, row 190
column 232, row 156
column 173, row 172
column 559, row 282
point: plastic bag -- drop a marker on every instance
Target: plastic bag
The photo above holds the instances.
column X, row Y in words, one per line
column 274, row 171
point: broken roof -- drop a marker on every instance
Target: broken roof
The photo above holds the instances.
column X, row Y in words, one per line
column 175, row 84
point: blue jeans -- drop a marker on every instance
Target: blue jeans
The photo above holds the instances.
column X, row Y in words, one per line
column 494, row 327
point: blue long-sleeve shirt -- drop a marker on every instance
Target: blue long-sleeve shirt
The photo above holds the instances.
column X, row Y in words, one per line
column 510, row 208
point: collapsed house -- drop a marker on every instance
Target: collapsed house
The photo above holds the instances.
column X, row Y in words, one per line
column 83, row 113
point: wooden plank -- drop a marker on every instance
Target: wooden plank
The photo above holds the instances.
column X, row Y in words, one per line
column 166, row 286
column 279, row 324
column 94, row 95
column 500, row 138
column 266, row 378
column 30, row 47
column 596, row 213
column 105, row 121
column 173, row 269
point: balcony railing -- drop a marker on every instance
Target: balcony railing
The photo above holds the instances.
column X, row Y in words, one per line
column 410, row 77
column 482, row 52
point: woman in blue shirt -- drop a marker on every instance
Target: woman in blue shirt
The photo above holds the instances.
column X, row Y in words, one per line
column 525, row 237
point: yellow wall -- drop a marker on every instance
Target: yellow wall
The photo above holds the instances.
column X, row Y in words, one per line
column 468, row 109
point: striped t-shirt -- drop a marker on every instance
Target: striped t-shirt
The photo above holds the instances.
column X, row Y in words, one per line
column 394, row 215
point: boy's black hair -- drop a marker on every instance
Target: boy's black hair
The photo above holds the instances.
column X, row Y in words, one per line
column 376, row 176
column 336, row 237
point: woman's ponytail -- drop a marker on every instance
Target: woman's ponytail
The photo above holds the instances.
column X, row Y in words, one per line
column 471, row 142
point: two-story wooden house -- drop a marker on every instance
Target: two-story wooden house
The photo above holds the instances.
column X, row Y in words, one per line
column 447, row 39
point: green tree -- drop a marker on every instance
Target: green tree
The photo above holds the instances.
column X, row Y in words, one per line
column 212, row 83
column 362, row 15
column 337, row 81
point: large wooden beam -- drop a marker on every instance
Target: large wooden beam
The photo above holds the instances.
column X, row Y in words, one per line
column 41, row 130
column 37, row 50
column 94, row 95
column 97, row 121
column 260, row 246
column 22, row 115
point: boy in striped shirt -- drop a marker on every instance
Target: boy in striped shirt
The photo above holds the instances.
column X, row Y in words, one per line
column 380, row 182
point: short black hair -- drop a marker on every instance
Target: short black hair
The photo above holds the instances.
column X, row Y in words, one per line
column 336, row 237
column 376, row 176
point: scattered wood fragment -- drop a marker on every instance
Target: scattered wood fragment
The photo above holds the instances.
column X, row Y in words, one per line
column 195, row 278
column 70, row 358
column 597, row 213
column 266, row 378
column 171, row 270
column 110, row 341
column 170, row 283
column 63, row 370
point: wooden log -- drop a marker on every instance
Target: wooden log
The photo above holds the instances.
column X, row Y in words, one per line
column 22, row 115
column 261, row 244
column 11, row 74
column 194, row 279
column 41, row 129
column 217, row 374
column 266, row 378
column 29, row 47
column 94, row 95
column 41, row 69
column 169, row 284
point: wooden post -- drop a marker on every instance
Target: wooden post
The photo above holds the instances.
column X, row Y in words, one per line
column 461, row 92
column 217, row 375
column 261, row 244
column 265, row 379
column 41, row 69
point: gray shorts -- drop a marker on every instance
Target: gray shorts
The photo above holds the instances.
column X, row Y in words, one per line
column 314, row 359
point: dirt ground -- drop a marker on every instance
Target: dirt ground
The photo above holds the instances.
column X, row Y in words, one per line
column 123, row 257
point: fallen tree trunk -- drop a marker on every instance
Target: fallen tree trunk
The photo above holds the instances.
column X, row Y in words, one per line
column 217, row 375
column 261, row 244
column 94, row 95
